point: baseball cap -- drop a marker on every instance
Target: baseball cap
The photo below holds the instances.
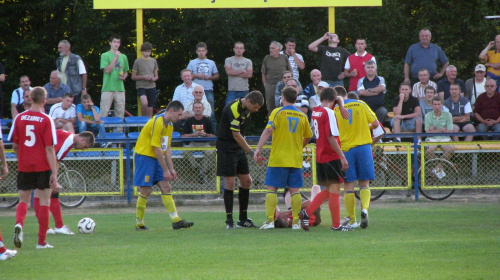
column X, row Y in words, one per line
column 323, row 84
column 480, row 67
column 302, row 101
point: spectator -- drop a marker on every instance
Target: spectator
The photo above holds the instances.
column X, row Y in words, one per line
column 487, row 110
column 199, row 125
column 55, row 90
column 198, row 94
column 17, row 94
column 115, row 67
column 204, row 73
column 332, row 58
column 371, row 90
column 355, row 64
column 64, row 113
column 287, row 75
column 273, row 66
column 424, row 81
column 184, row 91
column 438, row 121
column 89, row 118
column 2, row 79
column 407, row 112
column 26, row 105
column 461, row 110
column 443, row 86
column 314, row 100
column 491, row 60
column 475, row 86
column 303, row 104
column 145, row 73
column 423, row 55
column 312, row 88
column 296, row 60
column 238, row 69
column 72, row 68
column 426, row 103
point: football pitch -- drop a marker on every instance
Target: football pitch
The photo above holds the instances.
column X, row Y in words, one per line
column 404, row 240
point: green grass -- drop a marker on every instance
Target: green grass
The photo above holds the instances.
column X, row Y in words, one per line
column 403, row 241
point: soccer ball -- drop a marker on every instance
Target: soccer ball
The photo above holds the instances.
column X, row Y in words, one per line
column 86, row 225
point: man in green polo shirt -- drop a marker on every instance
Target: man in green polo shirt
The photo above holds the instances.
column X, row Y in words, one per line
column 438, row 121
column 115, row 67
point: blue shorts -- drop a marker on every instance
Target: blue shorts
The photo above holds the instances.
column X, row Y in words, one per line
column 360, row 161
column 147, row 171
column 282, row 177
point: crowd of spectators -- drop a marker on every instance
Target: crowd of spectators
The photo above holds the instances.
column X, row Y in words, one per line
column 427, row 73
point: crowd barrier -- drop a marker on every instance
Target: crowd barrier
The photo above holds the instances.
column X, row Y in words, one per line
column 398, row 166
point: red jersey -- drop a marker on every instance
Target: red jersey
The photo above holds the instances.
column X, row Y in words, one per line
column 325, row 125
column 64, row 143
column 32, row 132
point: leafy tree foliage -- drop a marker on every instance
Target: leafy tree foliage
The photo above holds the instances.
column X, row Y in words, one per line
column 31, row 30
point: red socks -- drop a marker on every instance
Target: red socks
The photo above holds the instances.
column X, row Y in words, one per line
column 21, row 210
column 334, row 205
column 317, row 201
column 55, row 209
column 43, row 224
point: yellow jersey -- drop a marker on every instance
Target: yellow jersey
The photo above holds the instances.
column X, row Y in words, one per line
column 355, row 131
column 290, row 127
column 156, row 133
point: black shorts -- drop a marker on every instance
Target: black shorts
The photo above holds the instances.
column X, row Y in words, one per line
column 330, row 173
column 33, row 180
column 232, row 162
column 461, row 125
column 150, row 93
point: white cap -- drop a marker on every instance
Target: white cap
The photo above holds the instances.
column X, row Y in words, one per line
column 323, row 84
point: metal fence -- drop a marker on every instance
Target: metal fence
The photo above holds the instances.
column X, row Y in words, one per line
column 398, row 166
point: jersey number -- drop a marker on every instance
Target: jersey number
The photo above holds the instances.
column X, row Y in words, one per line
column 30, row 142
column 292, row 124
column 350, row 113
column 316, row 130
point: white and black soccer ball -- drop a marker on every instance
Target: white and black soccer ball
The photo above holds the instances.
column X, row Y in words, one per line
column 86, row 225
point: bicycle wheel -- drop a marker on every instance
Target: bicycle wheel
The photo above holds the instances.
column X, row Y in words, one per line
column 73, row 188
column 10, row 189
column 440, row 174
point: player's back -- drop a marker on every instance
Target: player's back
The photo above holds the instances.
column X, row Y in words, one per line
column 290, row 128
column 33, row 132
column 324, row 126
column 355, row 131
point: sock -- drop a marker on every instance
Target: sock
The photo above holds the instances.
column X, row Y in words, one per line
column 364, row 196
column 296, row 207
column 228, row 203
column 271, row 202
column 243, row 196
column 350, row 205
column 43, row 224
column 334, row 205
column 2, row 247
column 55, row 209
column 317, row 201
column 140, row 209
column 21, row 210
column 36, row 205
column 169, row 203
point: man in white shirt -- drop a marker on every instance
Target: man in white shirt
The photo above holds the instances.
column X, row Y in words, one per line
column 64, row 113
column 184, row 92
column 198, row 94
column 475, row 86
column 296, row 60
column 17, row 94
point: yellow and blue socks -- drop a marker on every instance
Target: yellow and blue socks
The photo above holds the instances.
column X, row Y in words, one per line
column 140, row 209
column 296, row 207
column 350, row 205
column 169, row 203
column 271, row 202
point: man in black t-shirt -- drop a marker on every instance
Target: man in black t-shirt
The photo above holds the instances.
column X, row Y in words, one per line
column 199, row 126
column 407, row 113
column 231, row 158
column 332, row 59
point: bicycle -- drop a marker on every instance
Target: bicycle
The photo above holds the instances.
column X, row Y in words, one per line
column 437, row 184
column 72, row 193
